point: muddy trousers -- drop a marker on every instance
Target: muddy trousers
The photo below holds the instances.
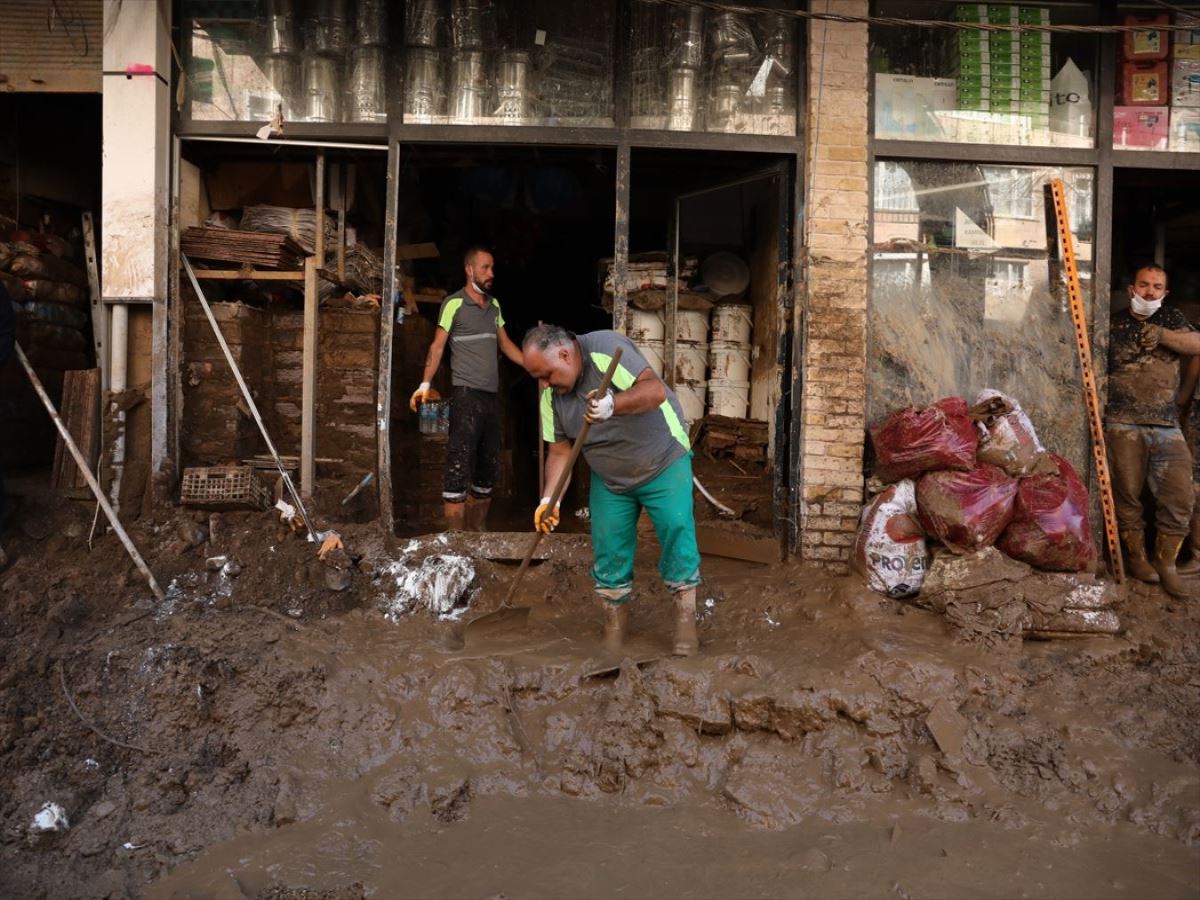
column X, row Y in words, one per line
column 473, row 447
column 667, row 498
column 1158, row 456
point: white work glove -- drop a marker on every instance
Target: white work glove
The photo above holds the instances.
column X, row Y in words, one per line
column 545, row 520
column 421, row 395
column 599, row 409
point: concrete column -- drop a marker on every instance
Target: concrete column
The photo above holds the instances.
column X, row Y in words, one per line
column 834, row 322
column 135, row 181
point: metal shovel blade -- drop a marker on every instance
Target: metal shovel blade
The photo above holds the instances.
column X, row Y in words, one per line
column 506, row 618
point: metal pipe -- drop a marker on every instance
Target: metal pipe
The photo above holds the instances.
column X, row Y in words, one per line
column 118, row 381
column 272, row 142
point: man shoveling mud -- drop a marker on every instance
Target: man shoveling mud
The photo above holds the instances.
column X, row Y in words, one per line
column 471, row 320
column 639, row 455
column 1145, row 443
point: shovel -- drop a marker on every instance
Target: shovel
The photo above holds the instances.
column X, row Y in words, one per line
column 508, row 616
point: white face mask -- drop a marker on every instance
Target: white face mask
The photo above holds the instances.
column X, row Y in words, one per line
column 1144, row 307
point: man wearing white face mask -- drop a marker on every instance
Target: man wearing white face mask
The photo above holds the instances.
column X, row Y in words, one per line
column 1145, row 443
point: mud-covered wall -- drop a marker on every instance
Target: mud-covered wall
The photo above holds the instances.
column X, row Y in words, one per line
column 267, row 346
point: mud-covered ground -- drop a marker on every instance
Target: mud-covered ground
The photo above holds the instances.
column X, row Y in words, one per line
column 271, row 733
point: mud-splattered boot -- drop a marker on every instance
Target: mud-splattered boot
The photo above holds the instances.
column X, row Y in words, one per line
column 616, row 625
column 1164, row 561
column 1139, row 566
column 475, row 518
column 453, row 515
column 1192, row 566
column 687, row 639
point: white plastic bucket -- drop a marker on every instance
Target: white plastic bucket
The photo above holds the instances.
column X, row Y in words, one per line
column 646, row 325
column 691, row 325
column 729, row 362
column 654, row 352
column 692, row 395
column 691, row 361
column 732, row 322
column 729, row 399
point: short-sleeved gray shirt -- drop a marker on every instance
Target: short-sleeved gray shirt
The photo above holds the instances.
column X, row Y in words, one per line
column 474, row 345
column 625, row 451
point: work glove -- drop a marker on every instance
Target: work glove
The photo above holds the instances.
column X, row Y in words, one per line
column 599, row 409
column 1151, row 334
column 545, row 520
column 423, row 394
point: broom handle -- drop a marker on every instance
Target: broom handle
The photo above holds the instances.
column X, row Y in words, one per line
column 576, row 448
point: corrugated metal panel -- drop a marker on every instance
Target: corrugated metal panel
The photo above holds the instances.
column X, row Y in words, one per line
column 51, row 45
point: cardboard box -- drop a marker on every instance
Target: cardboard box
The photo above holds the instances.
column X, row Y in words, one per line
column 1185, row 130
column 1146, row 46
column 1140, row 127
column 1185, row 82
column 1144, row 83
column 904, row 105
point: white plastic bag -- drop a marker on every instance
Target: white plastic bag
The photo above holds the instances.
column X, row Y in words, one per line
column 1006, row 437
column 890, row 552
column 1070, row 102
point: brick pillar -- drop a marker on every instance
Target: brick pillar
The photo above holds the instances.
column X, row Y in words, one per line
column 834, row 326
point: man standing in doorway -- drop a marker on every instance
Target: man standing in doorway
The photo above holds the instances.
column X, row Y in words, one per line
column 639, row 455
column 1145, row 443
column 471, row 320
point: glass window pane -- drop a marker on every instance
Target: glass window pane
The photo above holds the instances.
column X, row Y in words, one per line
column 533, row 62
column 985, row 87
column 961, row 298
column 1158, row 85
column 700, row 70
column 327, row 65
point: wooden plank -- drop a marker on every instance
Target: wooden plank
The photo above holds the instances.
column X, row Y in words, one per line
column 319, row 199
column 417, row 251
column 383, row 399
column 308, row 388
column 80, row 410
column 714, row 542
column 252, row 275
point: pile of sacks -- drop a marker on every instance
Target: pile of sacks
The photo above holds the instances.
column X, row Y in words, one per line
column 970, row 478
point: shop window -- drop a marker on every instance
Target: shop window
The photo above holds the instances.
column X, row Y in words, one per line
column 1158, row 85
column 697, row 69
column 965, row 291
column 975, row 86
column 323, row 61
column 532, row 62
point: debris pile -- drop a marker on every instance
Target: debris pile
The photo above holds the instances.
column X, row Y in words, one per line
column 972, row 479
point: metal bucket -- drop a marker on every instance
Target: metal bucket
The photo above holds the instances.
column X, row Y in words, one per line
column 283, row 74
column 281, row 34
column 322, row 89
column 422, row 85
column 468, row 87
column 512, row 86
column 421, row 23
column 370, row 23
column 367, row 91
column 686, row 48
column 325, row 31
column 681, row 100
column 466, row 24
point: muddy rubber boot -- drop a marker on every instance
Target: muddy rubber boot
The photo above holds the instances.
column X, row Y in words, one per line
column 1139, row 566
column 1192, row 566
column 1164, row 561
column 475, row 518
column 687, row 639
column 454, row 515
column 616, row 625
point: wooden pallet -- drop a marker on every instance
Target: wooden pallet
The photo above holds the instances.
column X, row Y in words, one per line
column 81, row 413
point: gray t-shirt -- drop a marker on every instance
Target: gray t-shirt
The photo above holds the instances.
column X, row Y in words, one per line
column 625, row 451
column 474, row 345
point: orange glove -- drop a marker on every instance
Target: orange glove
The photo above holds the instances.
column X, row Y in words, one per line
column 545, row 520
column 422, row 394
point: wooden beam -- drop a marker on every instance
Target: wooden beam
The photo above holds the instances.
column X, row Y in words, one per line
column 251, row 275
column 308, row 389
column 319, row 209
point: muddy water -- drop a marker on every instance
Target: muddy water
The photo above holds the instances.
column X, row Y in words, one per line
column 545, row 847
column 791, row 759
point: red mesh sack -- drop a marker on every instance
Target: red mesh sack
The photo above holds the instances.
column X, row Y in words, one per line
column 913, row 441
column 966, row 511
column 1050, row 528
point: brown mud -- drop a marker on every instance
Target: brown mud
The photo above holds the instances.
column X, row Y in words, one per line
column 266, row 735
